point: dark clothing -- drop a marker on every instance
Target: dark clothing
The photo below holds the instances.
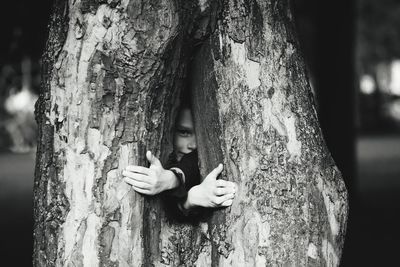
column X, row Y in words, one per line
column 189, row 166
column 174, row 197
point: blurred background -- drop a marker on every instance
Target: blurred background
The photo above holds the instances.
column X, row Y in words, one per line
column 352, row 51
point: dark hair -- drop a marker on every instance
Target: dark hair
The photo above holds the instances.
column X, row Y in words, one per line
column 185, row 99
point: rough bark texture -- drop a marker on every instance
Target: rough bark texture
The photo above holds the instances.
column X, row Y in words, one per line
column 112, row 76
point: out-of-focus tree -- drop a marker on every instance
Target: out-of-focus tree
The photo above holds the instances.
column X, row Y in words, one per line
column 378, row 49
column 23, row 34
column 378, row 32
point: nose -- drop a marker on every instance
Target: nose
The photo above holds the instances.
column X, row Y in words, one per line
column 192, row 145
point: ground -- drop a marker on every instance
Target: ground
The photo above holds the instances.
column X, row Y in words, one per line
column 373, row 227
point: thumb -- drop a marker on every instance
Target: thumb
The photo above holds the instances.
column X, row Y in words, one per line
column 214, row 173
column 152, row 159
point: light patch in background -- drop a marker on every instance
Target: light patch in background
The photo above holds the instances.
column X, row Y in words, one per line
column 392, row 109
column 382, row 72
column 388, row 77
column 367, row 84
column 21, row 126
column 394, row 85
column 23, row 101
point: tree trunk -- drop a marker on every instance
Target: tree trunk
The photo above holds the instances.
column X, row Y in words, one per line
column 113, row 72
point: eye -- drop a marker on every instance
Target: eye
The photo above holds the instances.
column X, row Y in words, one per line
column 184, row 133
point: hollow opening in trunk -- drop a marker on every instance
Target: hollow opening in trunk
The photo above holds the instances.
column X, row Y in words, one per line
column 197, row 94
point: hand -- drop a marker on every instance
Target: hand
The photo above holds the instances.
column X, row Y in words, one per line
column 152, row 180
column 211, row 193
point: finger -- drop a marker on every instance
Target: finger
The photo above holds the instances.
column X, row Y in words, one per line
column 137, row 176
column 224, row 183
column 138, row 169
column 214, row 173
column 221, row 183
column 220, row 191
column 222, row 199
column 152, row 159
column 142, row 191
column 227, row 203
column 137, row 184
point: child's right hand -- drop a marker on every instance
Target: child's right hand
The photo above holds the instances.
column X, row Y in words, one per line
column 152, row 180
column 211, row 193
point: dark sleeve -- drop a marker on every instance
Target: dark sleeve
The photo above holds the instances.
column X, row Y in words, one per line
column 189, row 166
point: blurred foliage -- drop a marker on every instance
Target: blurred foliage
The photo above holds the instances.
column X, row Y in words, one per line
column 18, row 82
column 378, row 32
column 23, row 25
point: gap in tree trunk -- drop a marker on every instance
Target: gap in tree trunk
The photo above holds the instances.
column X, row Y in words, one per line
column 197, row 92
column 182, row 61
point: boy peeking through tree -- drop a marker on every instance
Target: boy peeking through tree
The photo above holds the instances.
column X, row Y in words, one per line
column 182, row 176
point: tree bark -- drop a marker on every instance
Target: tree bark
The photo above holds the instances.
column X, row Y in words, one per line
column 113, row 72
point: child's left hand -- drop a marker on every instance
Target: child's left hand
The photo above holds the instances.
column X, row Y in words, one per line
column 211, row 193
column 152, row 180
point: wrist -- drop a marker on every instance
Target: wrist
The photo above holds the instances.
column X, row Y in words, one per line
column 187, row 205
column 189, row 202
column 171, row 180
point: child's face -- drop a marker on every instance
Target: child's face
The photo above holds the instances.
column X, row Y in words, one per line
column 184, row 137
